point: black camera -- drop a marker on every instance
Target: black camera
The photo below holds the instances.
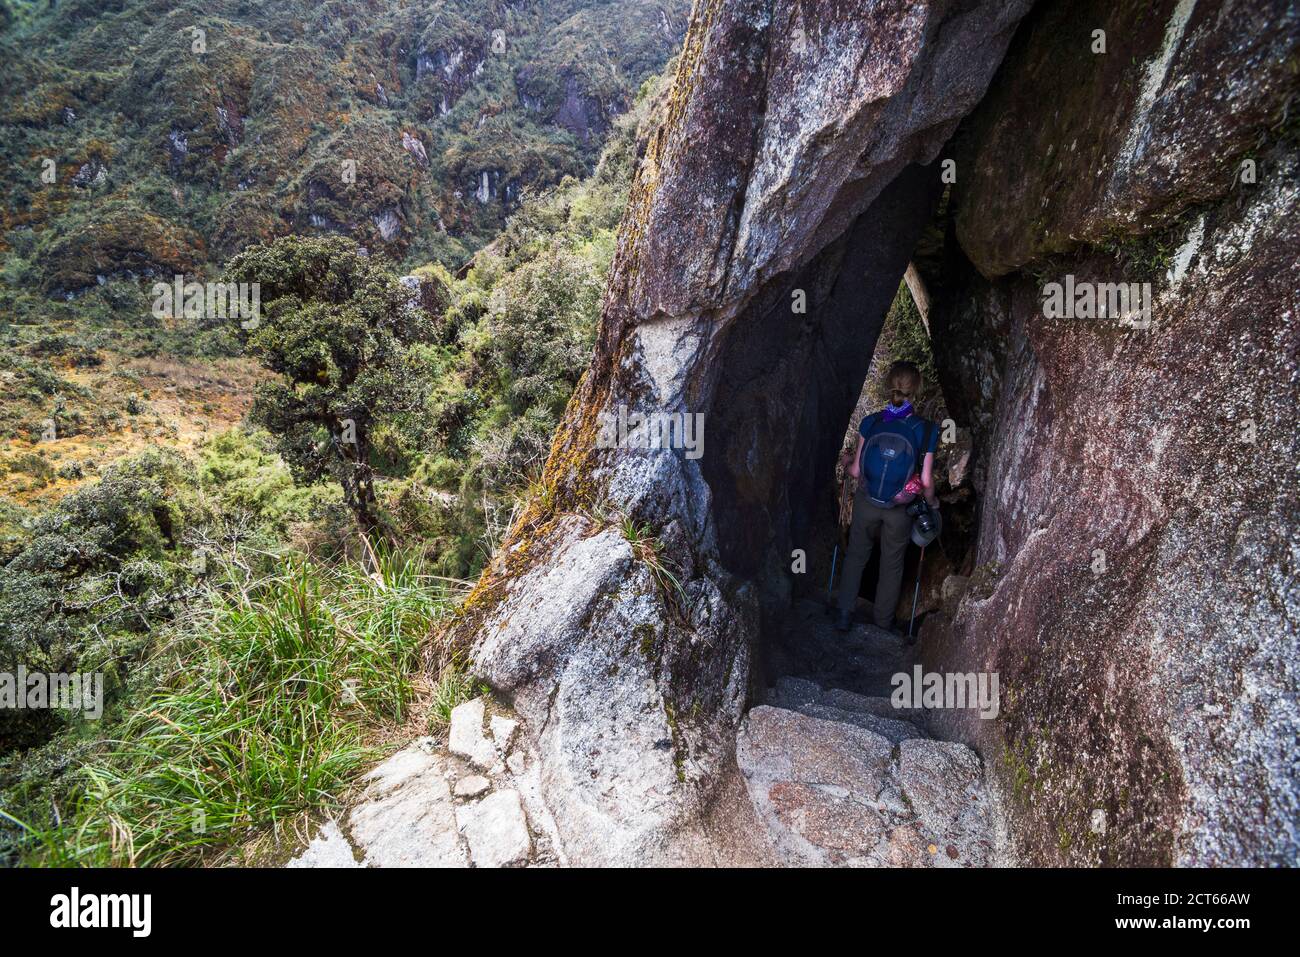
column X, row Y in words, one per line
column 924, row 518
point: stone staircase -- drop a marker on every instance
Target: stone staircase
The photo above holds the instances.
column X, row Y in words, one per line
column 834, row 773
column 840, row 777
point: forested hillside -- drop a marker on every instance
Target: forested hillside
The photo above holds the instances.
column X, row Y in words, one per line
column 471, row 159
column 181, row 132
column 146, row 139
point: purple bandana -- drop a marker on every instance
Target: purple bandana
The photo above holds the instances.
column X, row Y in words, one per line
column 897, row 412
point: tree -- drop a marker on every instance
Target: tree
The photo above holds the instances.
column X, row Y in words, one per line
column 338, row 329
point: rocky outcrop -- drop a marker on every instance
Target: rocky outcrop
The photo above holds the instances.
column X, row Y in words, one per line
column 119, row 238
column 1135, row 589
column 583, row 117
column 623, row 614
column 1137, row 479
column 473, row 800
column 581, row 644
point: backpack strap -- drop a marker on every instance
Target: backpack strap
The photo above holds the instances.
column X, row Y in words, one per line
column 870, row 422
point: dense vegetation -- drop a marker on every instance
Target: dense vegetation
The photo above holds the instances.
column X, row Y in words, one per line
column 148, row 138
column 181, row 131
column 254, row 662
column 266, row 700
column 340, row 335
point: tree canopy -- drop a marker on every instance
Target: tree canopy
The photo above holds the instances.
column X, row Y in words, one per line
column 337, row 328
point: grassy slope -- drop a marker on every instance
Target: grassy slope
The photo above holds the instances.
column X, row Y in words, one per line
column 271, row 696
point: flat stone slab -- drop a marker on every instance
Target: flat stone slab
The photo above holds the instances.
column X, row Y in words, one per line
column 792, row 692
column 837, row 825
column 775, row 743
column 496, row 830
column 329, row 848
column 466, row 738
column 503, row 732
column 423, row 807
column 849, row 701
column 406, row 816
column 472, row 785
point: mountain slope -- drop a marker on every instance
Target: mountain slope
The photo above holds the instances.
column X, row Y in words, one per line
column 181, row 132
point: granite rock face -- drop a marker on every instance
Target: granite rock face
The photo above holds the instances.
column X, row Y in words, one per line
column 794, row 162
column 628, row 612
column 1079, row 146
column 1138, row 489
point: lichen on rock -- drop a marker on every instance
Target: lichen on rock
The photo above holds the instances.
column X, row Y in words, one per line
column 1138, row 484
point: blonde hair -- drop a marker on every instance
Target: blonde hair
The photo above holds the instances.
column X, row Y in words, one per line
column 905, row 377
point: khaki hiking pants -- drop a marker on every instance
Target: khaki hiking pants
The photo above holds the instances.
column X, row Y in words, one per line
column 895, row 528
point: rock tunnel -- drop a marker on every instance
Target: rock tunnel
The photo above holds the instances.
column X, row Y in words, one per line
column 1129, row 585
column 788, row 382
column 791, row 373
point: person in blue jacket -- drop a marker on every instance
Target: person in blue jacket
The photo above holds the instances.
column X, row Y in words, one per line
column 895, row 447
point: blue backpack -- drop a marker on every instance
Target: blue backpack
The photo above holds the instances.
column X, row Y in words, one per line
column 889, row 458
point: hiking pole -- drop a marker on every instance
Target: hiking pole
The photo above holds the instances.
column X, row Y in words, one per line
column 916, row 593
column 842, row 497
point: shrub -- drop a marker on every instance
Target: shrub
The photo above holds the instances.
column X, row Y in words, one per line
column 97, row 573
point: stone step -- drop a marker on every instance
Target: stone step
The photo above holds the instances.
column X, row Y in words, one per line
column 836, row 792
column 867, row 704
column 895, row 729
column 794, row 693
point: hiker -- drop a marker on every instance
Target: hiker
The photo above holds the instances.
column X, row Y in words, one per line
column 893, row 445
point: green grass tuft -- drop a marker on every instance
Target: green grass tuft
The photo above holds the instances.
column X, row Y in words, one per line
column 271, row 708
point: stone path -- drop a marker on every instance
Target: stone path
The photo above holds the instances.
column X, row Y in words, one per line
column 840, row 777
column 473, row 803
column 834, row 773
column 862, row 660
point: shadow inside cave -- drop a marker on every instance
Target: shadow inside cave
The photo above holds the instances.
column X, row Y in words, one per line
column 790, row 394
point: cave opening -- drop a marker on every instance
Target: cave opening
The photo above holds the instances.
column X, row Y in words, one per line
column 793, row 387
